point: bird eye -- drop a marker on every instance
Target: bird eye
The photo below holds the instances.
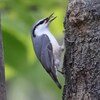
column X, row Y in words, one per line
column 42, row 22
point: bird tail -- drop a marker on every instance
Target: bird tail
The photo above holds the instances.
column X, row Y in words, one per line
column 55, row 80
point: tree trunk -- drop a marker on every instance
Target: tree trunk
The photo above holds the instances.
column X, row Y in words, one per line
column 82, row 55
column 2, row 74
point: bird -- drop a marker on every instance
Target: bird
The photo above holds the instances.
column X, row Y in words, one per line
column 46, row 47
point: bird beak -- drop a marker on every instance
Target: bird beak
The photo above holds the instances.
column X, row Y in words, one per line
column 50, row 18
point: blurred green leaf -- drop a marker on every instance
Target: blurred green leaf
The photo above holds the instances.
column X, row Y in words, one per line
column 15, row 51
column 25, row 76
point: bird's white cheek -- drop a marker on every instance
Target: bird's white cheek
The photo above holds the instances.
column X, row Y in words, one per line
column 38, row 33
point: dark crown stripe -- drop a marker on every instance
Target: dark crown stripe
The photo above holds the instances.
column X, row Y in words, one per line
column 41, row 22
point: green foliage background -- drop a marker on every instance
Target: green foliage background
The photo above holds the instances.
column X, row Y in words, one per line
column 25, row 77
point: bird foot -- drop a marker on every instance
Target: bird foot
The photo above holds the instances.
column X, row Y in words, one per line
column 60, row 72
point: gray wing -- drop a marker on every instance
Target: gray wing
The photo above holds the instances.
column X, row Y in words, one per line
column 37, row 44
column 44, row 52
column 47, row 57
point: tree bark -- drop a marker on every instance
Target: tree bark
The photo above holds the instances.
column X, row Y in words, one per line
column 82, row 55
column 2, row 74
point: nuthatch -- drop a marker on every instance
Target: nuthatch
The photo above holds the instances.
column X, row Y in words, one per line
column 46, row 47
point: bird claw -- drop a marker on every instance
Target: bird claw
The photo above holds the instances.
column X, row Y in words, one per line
column 60, row 72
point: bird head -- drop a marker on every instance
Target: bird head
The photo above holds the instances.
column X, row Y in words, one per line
column 43, row 23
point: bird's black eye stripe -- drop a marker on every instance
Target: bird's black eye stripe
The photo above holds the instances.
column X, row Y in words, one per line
column 41, row 22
